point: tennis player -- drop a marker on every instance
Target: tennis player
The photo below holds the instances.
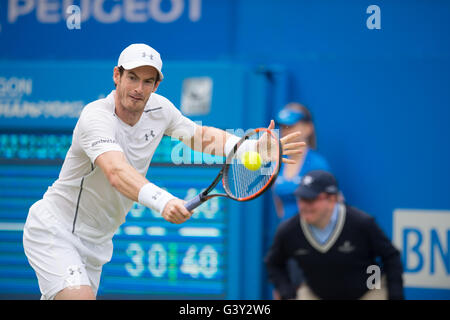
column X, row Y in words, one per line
column 68, row 234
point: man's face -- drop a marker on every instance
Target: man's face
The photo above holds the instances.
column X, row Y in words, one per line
column 134, row 87
column 314, row 211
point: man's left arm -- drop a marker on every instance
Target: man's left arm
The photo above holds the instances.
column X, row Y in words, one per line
column 390, row 257
column 214, row 141
column 208, row 140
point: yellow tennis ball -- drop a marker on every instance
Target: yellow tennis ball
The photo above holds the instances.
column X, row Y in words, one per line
column 251, row 160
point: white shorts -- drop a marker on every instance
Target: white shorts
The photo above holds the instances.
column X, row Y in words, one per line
column 60, row 258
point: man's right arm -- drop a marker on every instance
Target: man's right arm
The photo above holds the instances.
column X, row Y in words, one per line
column 120, row 174
column 128, row 181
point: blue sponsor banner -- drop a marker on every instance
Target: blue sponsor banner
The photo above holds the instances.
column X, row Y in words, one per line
column 50, row 95
column 99, row 29
column 423, row 237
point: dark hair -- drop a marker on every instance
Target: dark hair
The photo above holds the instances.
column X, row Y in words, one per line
column 121, row 70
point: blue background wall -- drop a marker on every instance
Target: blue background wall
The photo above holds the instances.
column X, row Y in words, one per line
column 380, row 98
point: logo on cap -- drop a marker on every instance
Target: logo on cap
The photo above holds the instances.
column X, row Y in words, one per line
column 144, row 54
column 307, row 180
column 284, row 114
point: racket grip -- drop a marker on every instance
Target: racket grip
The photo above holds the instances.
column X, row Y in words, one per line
column 194, row 202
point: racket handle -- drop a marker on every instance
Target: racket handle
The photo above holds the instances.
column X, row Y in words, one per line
column 194, row 202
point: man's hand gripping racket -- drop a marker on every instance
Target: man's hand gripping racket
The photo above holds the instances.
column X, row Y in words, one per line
column 246, row 178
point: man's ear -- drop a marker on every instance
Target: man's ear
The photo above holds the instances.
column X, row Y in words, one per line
column 116, row 75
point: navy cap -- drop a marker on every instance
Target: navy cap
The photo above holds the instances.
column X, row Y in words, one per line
column 289, row 116
column 315, row 182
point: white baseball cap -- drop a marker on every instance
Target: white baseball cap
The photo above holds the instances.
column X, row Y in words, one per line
column 140, row 54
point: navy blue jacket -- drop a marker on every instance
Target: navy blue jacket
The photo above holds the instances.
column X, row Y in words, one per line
column 338, row 268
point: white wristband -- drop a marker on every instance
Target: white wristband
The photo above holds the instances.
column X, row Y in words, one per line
column 231, row 142
column 249, row 145
column 154, row 197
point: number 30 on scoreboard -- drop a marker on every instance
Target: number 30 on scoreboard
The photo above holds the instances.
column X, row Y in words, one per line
column 161, row 261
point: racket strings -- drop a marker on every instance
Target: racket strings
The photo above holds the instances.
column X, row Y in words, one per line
column 243, row 182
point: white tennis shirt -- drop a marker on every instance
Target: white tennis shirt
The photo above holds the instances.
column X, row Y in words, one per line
column 82, row 197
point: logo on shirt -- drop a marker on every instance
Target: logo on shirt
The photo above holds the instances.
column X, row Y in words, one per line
column 346, row 247
column 301, row 252
column 152, row 134
column 102, row 141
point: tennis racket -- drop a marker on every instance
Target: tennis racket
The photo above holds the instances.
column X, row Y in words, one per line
column 241, row 181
